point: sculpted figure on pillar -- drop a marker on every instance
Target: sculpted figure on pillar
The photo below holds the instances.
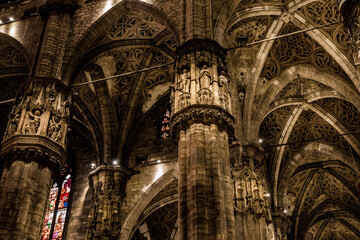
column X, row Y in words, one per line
column 224, row 94
column 13, row 124
column 184, row 83
column 33, row 123
column 54, row 132
column 223, row 84
column 34, row 147
column 205, row 77
column 202, row 114
column 41, row 110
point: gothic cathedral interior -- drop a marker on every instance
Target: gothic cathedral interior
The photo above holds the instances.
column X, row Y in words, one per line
column 180, row 120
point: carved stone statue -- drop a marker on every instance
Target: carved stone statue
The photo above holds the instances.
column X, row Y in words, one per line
column 172, row 99
column 184, row 83
column 13, row 124
column 33, row 123
column 241, row 91
column 223, row 84
column 54, row 132
column 205, row 77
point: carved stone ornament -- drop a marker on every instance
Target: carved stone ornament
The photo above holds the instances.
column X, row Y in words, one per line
column 205, row 114
column 184, row 100
column 205, row 96
column 201, row 77
column 109, row 184
column 39, row 121
column 351, row 13
column 27, row 148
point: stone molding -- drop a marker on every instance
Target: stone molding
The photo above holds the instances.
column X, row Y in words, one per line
column 196, row 44
column 205, row 114
column 29, row 148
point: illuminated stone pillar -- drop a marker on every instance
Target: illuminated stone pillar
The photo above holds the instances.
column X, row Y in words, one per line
column 350, row 9
column 202, row 122
column 251, row 195
column 108, row 183
column 32, row 152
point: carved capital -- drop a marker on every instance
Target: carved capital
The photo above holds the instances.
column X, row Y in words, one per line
column 201, row 76
column 33, row 148
column 39, row 120
column 205, row 114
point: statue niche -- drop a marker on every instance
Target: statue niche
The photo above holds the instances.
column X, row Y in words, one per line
column 184, row 83
column 205, row 95
column 14, row 120
column 205, row 77
column 33, row 123
column 224, row 94
column 54, row 131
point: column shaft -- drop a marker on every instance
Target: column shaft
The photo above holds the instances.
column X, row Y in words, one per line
column 202, row 124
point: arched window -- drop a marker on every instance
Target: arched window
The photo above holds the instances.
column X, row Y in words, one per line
column 165, row 127
column 58, row 205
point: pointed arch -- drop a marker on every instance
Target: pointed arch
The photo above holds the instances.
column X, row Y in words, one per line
column 76, row 54
column 144, row 200
column 7, row 39
column 307, row 72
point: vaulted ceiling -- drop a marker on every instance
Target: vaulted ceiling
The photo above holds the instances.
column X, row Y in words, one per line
column 302, row 101
column 302, row 98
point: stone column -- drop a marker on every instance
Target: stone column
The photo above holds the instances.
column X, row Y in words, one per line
column 251, row 195
column 108, row 183
column 202, row 123
column 282, row 225
column 350, row 9
column 32, row 151
column 56, row 19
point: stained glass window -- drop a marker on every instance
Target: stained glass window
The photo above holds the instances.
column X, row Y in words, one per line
column 165, row 128
column 57, row 208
